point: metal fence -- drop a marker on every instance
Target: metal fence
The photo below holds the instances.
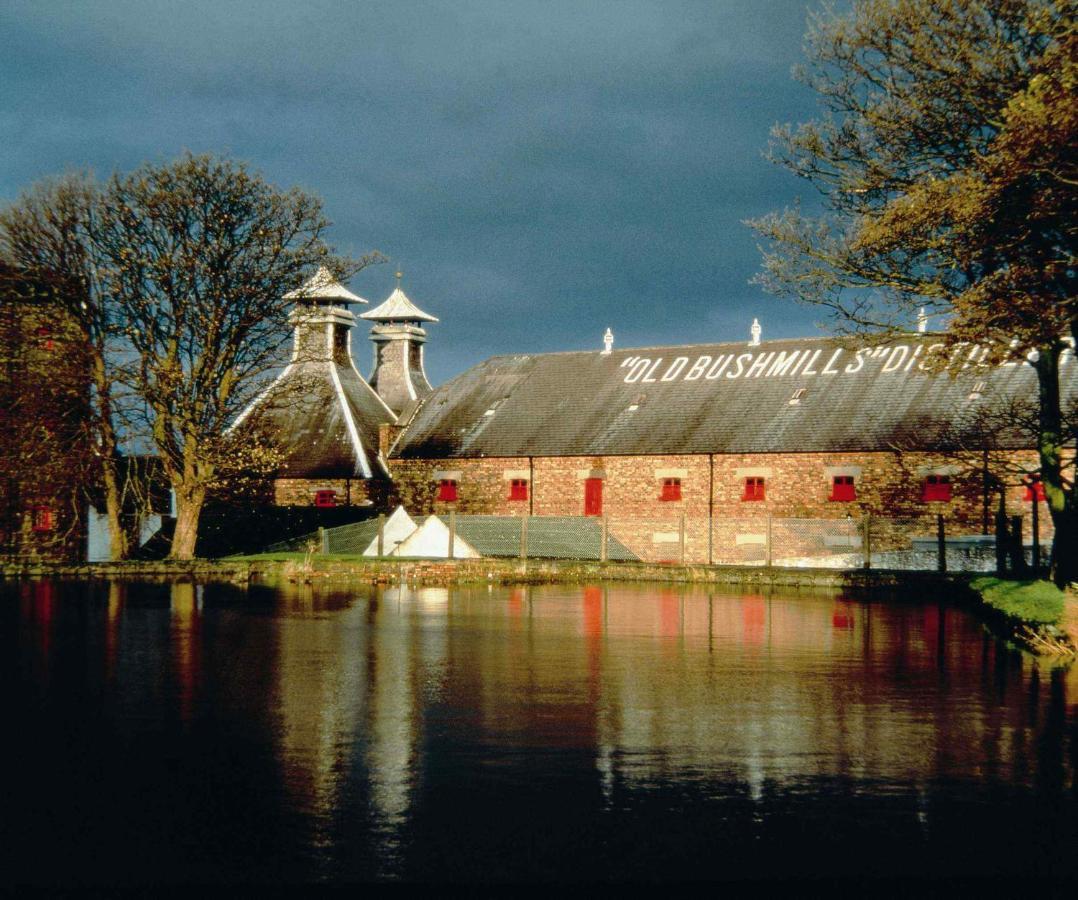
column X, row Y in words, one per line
column 871, row 542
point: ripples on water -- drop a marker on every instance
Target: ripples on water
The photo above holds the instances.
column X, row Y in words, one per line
column 178, row 733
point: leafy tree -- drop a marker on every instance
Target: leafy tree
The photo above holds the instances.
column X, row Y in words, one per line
column 945, row 162
column 197, row 258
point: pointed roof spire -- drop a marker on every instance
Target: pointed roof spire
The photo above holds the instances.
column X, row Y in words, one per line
column 398, row 308
column 608, row 342
column 323, row 286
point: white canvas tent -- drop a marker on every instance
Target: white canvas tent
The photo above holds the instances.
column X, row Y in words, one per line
column 431, row 540
column 398, row 528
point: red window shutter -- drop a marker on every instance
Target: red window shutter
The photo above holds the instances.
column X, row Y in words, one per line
column 937, row 489
column 41, row 518
column 843, row 489
column 447, row 490
column 593, row 496
column 325, row 498
column 754, row 489
column 671, row 489
column 518, row 489
column 1034, row 490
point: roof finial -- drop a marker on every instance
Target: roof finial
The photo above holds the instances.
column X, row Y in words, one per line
column 399, row 274
column 922, row 320
column 756, row 331
column 608, row 342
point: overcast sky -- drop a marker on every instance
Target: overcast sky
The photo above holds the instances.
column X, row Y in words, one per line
column 540, row 170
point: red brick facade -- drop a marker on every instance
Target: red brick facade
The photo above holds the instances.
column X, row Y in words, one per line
column 796, row 485
column 346, row 491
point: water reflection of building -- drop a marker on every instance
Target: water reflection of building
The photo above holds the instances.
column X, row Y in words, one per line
column 766, row 689
column 354, row 678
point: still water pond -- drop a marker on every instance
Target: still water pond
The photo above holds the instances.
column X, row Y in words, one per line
column 178, row 733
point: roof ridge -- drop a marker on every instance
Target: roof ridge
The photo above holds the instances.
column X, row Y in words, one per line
column 746, row 344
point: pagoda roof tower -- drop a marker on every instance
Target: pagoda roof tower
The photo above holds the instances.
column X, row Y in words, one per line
column 398, row 336
column 320, row 412
column 398, row 308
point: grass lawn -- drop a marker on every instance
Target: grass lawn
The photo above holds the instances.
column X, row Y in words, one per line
column 1035, row 602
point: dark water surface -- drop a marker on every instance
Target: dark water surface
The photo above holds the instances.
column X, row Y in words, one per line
column 159, row 733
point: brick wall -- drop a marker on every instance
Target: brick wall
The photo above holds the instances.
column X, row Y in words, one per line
column 796, row 485
column 349, row 491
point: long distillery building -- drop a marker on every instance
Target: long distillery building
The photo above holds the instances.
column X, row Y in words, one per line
column 794, row 428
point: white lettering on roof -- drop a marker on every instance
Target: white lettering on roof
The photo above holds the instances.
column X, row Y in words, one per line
column 787, row 363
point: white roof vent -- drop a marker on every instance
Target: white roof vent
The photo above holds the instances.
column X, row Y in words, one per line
column 755, row 331
column 608, row 342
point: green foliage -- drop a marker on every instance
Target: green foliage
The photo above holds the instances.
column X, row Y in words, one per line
column 946, row 163
column 1033, row 602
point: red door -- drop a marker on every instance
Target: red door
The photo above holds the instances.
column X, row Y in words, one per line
column 593, row 496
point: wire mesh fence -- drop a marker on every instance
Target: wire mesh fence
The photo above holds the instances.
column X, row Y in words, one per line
column 871, row 542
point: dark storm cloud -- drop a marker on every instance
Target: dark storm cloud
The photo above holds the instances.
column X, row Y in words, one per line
column 541, row 170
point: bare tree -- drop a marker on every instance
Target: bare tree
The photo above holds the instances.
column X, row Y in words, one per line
column 198, row 256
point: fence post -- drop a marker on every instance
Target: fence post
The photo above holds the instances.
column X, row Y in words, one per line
column 866, row 541
column 941, row 543
column 1018, row 551
column 603, row 532
column 681, row 539
column 381, row 535
column 323, row 539
column 452, row 531
column 1036, row 534
column 1002, row 541
column 524, row 537
column 769, row 540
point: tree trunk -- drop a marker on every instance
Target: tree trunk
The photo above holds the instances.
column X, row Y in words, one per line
column 188, row 510
column 119, row 542
column 1051, row 440
column 1064, row 560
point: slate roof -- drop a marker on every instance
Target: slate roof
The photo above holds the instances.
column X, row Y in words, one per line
column 322, row 286
column 647, row 401
column 398, row 308
column 304, row 413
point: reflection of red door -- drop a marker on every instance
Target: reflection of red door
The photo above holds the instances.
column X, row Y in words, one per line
column 593, row 496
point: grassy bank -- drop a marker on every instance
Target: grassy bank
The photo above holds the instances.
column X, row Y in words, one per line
column 1039, row 612
column 342, row 569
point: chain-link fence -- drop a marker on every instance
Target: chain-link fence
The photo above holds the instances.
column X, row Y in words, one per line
column 871, row 542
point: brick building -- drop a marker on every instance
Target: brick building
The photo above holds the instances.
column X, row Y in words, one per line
column 794, row 428
column 321, row 414
column 45, row 450
column 803, row 428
